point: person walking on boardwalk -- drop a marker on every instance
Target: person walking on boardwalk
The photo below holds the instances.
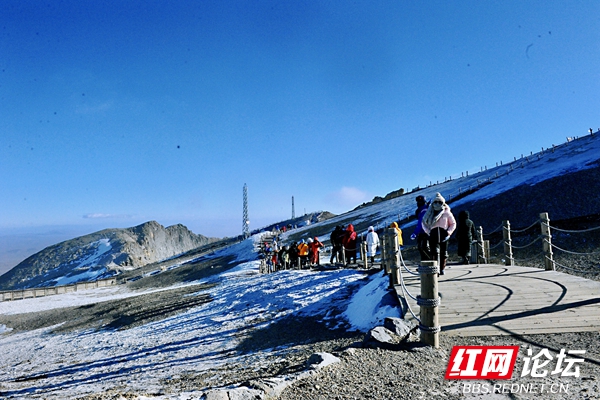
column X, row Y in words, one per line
column 336, row 239
column 349, row 243
column 419, row 234
column 439, row 224
column 372, row 243
column 465, row 232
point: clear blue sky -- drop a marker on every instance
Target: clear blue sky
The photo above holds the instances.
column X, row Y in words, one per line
column 113, row 113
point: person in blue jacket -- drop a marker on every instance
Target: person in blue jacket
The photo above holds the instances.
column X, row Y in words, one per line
column 419, row 234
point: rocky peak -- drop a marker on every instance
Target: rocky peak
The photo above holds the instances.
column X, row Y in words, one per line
column 102, row 254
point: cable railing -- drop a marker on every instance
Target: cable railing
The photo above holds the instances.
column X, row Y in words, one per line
column 519, row 245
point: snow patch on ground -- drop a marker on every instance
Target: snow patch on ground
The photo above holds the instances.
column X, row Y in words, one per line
column 367, row 308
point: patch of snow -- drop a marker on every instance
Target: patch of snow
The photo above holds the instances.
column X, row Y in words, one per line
column 72, row 299
column 101, row 246
column 89, row 275
column 366, row 309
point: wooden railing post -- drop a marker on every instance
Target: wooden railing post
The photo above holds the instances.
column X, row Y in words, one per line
column 393, row 257
column 508, row 254
column 363, row 247
column 479, row 252
column 429, row 301
column 547, row 243
column 384, row 263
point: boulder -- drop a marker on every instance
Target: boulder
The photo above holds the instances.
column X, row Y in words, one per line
column 381, row 337
column 399, row 326
column 320, row 360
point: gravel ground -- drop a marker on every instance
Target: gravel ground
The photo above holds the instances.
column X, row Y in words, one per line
column 417, row 372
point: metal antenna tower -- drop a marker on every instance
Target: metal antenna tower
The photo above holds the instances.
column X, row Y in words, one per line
column 293, row 212
column 246, row 222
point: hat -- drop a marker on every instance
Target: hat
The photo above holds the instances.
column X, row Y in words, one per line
column 420, row 199
column 439, row 197
column 371, row 229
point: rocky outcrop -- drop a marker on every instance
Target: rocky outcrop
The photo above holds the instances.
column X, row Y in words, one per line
column 102, row 254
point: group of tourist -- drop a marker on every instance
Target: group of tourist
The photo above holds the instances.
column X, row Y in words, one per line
column 299, row 254
column 435, row 225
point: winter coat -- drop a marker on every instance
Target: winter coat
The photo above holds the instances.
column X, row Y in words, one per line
column 336, row 237
column 420, row 214
column 303, row 249
column 372, row 243
column 439, row 219
column 397, row 228
column 314, row 250
column 349, row 240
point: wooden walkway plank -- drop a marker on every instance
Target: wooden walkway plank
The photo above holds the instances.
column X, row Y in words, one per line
column 490, row 299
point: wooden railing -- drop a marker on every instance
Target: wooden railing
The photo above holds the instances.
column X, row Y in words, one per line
column 52, row 290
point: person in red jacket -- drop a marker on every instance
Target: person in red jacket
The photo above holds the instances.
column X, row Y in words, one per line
column 315, row 245
column 349, row 243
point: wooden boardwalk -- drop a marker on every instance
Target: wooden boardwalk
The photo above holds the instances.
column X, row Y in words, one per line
column 491, row 299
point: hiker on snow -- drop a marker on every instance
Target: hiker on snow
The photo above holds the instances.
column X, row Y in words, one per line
column 315, row 247
column 303, row 253
column 349, row 243
column 336, row 244
column 293, row 254
column 439, row 224
column 372, row 243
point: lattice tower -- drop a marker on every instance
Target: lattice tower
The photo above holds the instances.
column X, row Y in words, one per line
column 246, row 222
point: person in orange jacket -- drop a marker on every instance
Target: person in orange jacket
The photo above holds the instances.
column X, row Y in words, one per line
column 315, row 245
column 303, row 253
column 399, row 231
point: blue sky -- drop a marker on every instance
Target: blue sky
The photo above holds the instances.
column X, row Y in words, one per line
column 114, row 113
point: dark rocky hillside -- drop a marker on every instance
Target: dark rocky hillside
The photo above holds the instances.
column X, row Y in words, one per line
column 102, row 254
column 563, row 197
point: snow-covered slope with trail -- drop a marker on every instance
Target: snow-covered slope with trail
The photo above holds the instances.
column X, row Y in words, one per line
column 39, row 364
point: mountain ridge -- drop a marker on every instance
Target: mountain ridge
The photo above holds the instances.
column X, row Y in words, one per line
column 102, row 254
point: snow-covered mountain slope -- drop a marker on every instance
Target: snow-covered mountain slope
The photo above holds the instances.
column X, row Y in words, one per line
column 562, row 180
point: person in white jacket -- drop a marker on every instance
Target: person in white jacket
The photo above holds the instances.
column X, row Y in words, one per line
column 372, row 243
column 439, row 224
